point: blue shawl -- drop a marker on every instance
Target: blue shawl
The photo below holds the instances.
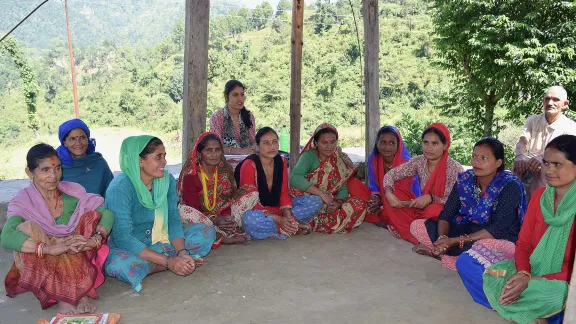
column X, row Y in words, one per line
column 64, row 130
column 91, row 171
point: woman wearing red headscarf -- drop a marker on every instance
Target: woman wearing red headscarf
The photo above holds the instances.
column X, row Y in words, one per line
column 437, row 173
column 324, row 170
column 209, row 194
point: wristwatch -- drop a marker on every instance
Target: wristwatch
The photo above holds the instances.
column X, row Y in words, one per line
column 101, row 235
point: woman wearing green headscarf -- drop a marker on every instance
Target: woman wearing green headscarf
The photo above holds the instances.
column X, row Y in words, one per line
column 148, row 236
column 533, row 287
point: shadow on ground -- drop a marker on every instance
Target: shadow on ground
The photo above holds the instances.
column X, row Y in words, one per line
column 363, row 277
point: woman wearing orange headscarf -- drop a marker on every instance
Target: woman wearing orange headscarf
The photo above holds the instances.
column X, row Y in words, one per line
column 437, row 173
column 209, row 195
column 324, row 170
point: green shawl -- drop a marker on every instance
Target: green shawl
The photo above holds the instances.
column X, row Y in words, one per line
column 130, row 165
column 542, row 298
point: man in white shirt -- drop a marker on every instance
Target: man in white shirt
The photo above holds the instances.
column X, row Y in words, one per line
column 537, row 132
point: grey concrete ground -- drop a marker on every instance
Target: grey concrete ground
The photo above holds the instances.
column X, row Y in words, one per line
column 363, row 277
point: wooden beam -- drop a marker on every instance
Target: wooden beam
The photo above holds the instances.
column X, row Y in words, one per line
column 195, row 73
column 371, row 72
column 296, row 80
column 570, row 313
column 71, row 51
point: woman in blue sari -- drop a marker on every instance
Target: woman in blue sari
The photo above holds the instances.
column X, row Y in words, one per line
column 80, row 161
column 486, row 203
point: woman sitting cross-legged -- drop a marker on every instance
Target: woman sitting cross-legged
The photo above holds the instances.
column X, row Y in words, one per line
column 532, row 287
column 147, row 236
column 209, row 193
column 80, row 161
column 274, row 213
column 324, row 170
column 486, row 203
column 437, row 173
column 389, row 152
column 56, row 230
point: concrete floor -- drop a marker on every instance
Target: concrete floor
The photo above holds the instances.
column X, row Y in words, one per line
column 363, row 277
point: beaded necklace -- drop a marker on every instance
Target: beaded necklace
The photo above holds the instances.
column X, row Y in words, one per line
column 204, row 179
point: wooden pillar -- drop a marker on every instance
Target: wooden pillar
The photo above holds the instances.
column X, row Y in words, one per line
column 296, row 80
column 371, row 72
column 195, row 73
column 72, row 70
column 570, row 313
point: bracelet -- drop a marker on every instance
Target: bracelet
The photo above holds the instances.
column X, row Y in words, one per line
column 182, row 249
column 39, row 252
column 442, row 237
column 98, row 243
column 431, row 198
column 524, row 272
column 167, row 258
column 461, row 242
column 229, row 150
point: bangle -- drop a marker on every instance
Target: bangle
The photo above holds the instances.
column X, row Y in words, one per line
column 39, row 252
column 229, row 150
column 461, row 242
column 98, row 243
column 442, row 237
column 524, row 272
column 167, row 258
column 431, row 198
column 182, row 249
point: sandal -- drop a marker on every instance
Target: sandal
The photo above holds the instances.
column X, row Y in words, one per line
column 394, row 232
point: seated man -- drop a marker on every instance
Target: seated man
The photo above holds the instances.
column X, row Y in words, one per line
column 537, row 132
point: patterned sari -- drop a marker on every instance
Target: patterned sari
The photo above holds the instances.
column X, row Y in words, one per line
column 230, row 200
column 330, row 176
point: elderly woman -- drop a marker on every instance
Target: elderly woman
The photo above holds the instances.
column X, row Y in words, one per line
column 437, row 173
column 208, row 192
column 389, row 152
column 147, row 236
column 532, row 287
column 56, row 230
column 234, row 123
column 323, row 170
column 486, row 203
column 274, row 214
column 80, row 162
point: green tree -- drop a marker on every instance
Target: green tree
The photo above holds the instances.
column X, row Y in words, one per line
column 504, row 52
column 29, row 83
column 261, row 14
column 283, row 6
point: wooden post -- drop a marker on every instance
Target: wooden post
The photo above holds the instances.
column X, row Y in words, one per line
column 296, row 80
column 371, row 72
column 71, row 51
column 570, row 314
column 195, row 73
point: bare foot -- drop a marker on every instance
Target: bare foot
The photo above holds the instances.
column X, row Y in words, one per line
column 240, row 239
column 86, row 306
column 67, row 309
column 198, row 262
column 424, row 250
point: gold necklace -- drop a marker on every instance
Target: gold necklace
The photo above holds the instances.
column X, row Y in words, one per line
column 203, row 179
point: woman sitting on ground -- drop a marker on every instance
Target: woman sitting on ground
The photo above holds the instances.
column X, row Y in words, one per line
column 323, row 170
column 486, row 203
column 80, row 162
column 147, row 236
column 209, row 193
column 234, row 123
column 437, row 173
column 57, row 231
column 274, row 213
column 389, row 152
column 532, row 287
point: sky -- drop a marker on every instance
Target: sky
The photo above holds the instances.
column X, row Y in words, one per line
column 254, row 3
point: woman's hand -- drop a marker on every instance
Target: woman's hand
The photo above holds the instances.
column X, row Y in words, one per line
column 442, row 245
column 326, row 198
column 226, row 223
column 421, row 202
column 393, row 200
column 333, row 206
column 514, row 288
column 181, row 265
column 373, row 204
column 287, row 224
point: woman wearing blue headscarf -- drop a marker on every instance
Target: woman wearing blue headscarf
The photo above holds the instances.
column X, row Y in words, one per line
column 80, row 161
column 389, row 152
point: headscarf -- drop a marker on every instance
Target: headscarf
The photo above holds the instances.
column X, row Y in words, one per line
column 436, row 184
column 29, row 204
column 548, row 255
column 376, row 164
column 191, row 165
column 64, row 130
column 310, row 145
column 480, row 211
column 130, row 165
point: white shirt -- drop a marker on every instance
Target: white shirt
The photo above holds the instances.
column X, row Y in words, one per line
column 539, row 133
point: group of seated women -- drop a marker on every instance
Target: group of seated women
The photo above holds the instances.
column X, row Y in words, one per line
column 76, row 223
